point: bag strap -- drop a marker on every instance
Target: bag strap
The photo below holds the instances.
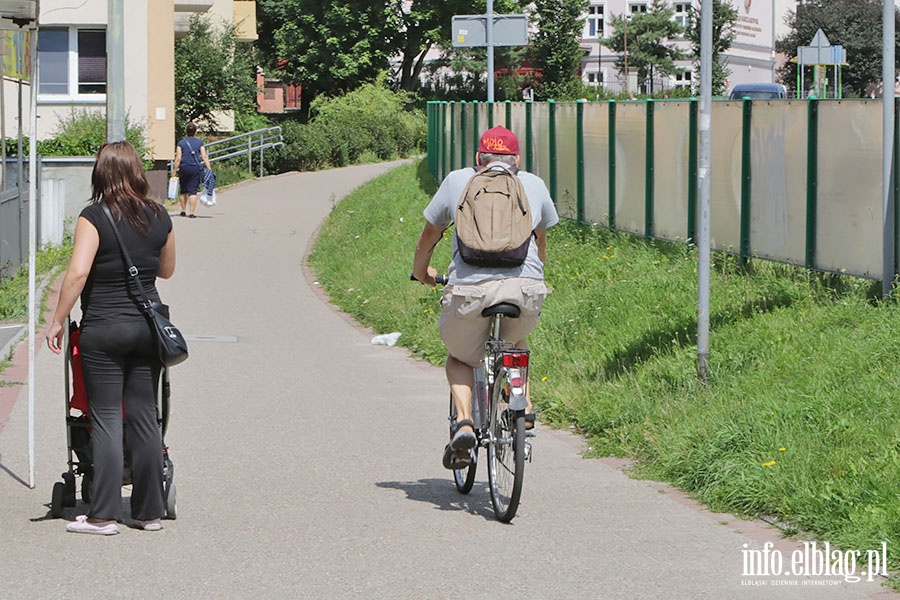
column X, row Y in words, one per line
column 196, row 160
column 130, row 269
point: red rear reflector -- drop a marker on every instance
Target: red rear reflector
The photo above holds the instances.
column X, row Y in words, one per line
column 515, row 360
column 517, row 382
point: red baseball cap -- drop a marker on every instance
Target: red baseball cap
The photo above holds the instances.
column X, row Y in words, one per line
column 499, row 140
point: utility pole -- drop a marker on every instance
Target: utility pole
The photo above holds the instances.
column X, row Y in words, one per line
column 625, row 16
column 115, row 71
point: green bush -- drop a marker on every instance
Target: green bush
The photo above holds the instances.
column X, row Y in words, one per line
column 82, row 133
column 370, row 123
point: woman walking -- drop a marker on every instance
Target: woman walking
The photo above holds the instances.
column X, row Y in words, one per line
column 119, row 360
column 190, row 157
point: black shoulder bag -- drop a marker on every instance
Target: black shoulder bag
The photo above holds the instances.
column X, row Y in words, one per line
column 170, row 343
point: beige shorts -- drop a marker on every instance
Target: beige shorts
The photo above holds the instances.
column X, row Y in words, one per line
column 463, row 329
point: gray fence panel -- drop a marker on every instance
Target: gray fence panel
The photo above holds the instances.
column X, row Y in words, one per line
column 567, row 159
column 725, row 176
column 631, row 165
column 671, row 169
column 850, row 204
column 596, row 162
column 541, row 143
column 778, row 196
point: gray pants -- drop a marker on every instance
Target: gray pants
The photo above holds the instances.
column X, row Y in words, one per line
column 121, row 371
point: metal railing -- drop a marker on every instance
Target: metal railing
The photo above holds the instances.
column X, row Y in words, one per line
column 246, row 144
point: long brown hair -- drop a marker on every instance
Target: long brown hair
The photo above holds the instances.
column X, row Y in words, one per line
column 119, row 182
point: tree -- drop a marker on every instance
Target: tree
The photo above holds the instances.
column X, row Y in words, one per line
column 723, row 35
column 211, row 74
column 853, row 24
column 556, row 48
column 641, row 41
column 328, row 47
column 422, row 26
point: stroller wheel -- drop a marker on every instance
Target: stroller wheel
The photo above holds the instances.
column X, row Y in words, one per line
column 171, row 502
column 86, row 480
column 56, row 503
column 69, row 489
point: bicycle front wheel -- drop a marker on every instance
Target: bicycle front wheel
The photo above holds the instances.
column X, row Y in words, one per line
column 506, row 451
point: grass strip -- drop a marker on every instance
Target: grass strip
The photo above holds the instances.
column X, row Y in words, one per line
column 797, row 421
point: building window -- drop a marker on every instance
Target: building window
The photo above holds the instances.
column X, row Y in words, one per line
column 637, row 7
column 683, row 78
column 594, row 27
column 595, row 77
column 72, row 62
column 682, row 14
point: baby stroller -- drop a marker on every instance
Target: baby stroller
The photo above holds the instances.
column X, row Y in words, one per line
column 78, row 434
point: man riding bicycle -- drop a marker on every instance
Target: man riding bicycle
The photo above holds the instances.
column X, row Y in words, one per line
column 472, row 288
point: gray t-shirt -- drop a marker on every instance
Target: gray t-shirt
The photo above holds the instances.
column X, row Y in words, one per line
column 442, row 209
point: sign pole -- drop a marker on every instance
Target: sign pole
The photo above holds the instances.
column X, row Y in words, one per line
column 705, row 153
column 489, row 27
column 889, row 77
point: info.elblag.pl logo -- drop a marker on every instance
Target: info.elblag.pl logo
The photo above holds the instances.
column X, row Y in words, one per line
column 813, row 560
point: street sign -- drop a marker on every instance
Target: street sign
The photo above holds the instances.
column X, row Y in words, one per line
column 471, row 30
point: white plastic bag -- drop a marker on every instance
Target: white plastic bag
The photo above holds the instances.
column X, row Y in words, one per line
column 173, row 188
column 208, row 198
column 387, row 339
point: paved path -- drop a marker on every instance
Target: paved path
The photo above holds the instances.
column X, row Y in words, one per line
column 308, row 461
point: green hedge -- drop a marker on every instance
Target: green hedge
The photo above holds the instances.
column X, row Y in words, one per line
column 371, row 123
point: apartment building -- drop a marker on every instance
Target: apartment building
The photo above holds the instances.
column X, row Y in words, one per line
column 71, row 52
column 751, row 58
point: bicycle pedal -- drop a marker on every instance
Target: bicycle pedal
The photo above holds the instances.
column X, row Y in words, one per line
column 527, row 451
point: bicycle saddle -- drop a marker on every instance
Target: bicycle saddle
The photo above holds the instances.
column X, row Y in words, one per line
column 504, row 308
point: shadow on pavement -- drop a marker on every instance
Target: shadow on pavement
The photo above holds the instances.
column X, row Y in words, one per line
column 13, row 475
column 443, row 495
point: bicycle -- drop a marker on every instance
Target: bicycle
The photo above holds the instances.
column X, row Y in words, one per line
column 498, row 410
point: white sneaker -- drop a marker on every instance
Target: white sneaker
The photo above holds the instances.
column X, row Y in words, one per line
column 82, row 525
column 152, row 525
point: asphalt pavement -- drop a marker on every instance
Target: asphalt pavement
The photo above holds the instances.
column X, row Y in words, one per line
column 308, row 461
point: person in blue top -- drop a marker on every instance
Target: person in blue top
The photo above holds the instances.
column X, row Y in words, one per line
column 190, row 158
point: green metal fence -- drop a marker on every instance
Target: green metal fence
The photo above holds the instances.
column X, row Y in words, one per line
column 793, row 181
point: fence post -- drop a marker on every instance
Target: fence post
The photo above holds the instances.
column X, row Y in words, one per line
column 612, row 165
column 509, row 115
column 746, row 180
column 579, row 153
column 648, row 170
column 693, row 153
column 250, row 153
column 812, row 174
column 553, row 190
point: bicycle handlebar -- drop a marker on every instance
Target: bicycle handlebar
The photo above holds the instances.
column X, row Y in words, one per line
column 439, row 279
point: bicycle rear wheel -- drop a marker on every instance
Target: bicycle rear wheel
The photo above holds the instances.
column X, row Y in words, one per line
column 463, row 478
column 506, row 451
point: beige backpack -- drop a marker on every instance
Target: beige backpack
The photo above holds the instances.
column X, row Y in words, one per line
column 493, row 219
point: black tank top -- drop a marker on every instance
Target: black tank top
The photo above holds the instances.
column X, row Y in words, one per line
column 108, row 295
